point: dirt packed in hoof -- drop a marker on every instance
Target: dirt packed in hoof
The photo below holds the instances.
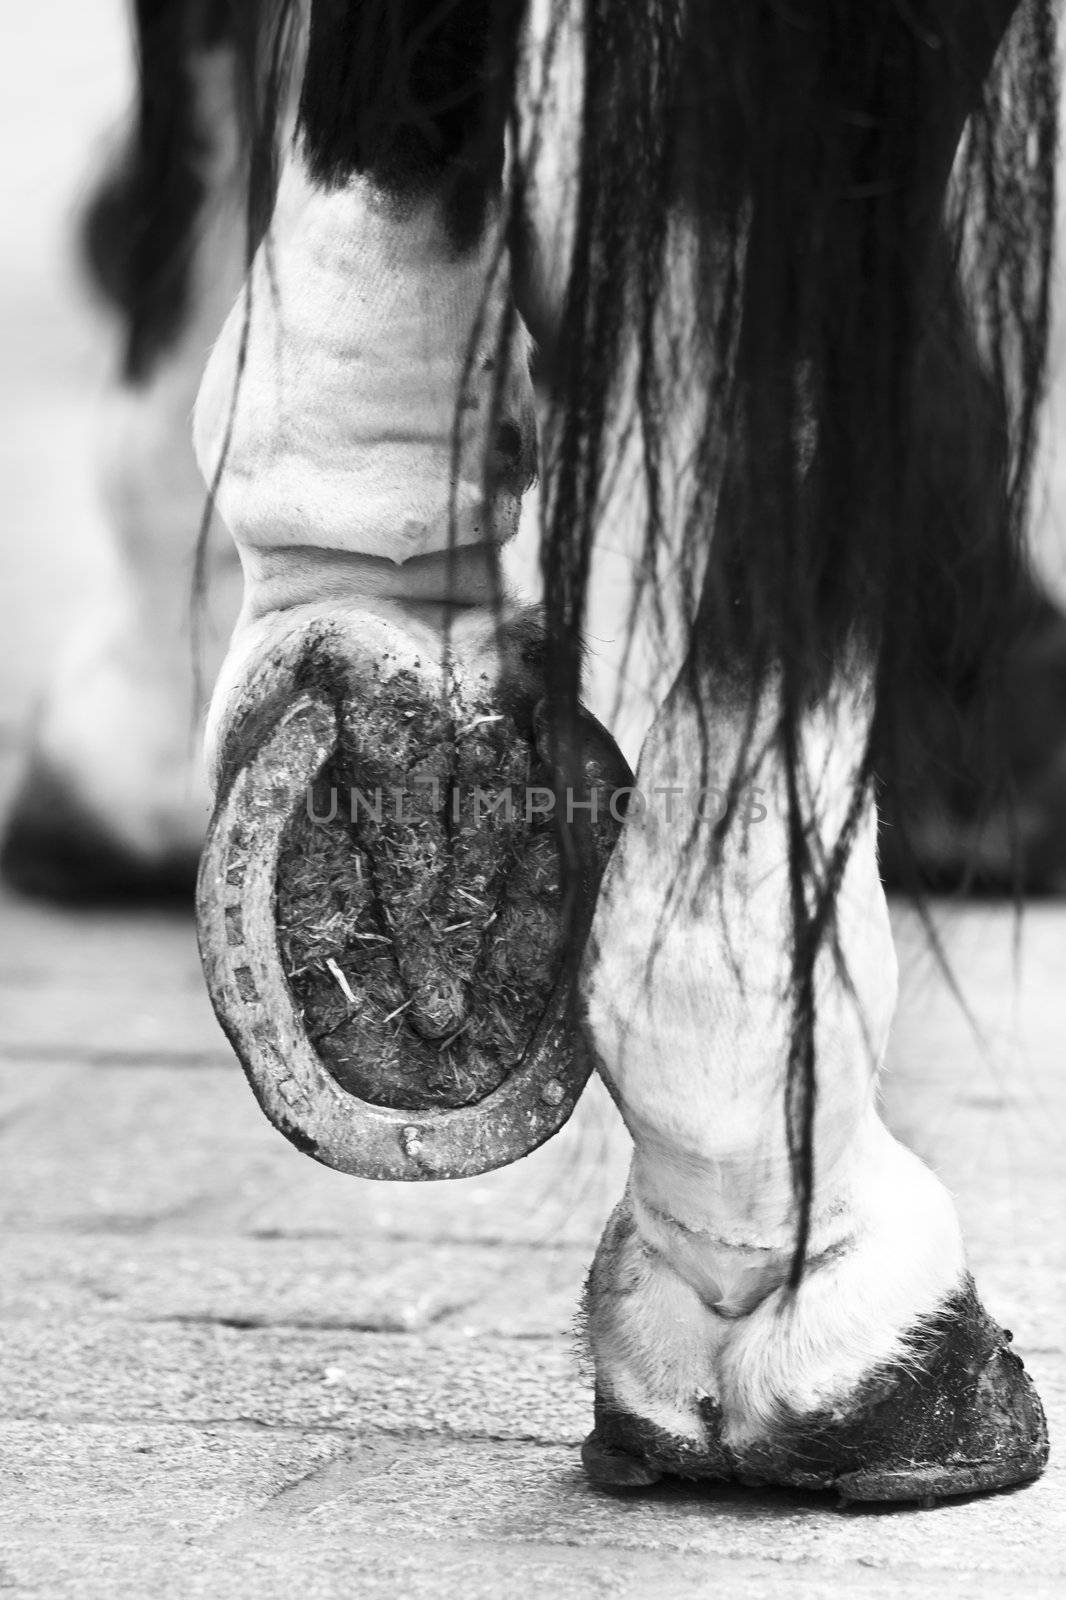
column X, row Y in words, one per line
column 418, row 899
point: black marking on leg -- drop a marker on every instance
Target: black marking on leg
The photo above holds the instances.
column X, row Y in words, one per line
column 413, row 93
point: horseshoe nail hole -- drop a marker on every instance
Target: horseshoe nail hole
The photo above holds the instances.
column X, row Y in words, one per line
column 245, row 983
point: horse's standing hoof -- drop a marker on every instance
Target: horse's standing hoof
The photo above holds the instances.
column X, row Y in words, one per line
column 625, row 1452
column 959, row 1417
column 380, row 902
column 617, row 1471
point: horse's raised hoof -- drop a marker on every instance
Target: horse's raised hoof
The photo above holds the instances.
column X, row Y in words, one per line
column 959, row 1417
column 380, row 905
column 54, row 848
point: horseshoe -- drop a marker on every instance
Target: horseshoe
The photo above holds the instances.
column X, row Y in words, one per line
column 253, row 1000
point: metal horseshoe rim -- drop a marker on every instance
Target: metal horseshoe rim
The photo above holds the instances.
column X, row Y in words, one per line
column 254, row 1004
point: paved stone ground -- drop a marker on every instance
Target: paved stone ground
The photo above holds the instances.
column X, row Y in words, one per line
column 226, row 1371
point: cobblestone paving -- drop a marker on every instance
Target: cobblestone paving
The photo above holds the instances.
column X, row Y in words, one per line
column 226, row 1370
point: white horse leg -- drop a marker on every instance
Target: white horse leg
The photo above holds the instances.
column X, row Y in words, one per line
column 114, row 800
column 880, row 1374
column 370, row 421
column 362, row 329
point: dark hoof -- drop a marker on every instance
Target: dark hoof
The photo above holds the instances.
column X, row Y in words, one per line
column 627, row 1452
column 960, row 1417
column 616, row 1470
column 55, row 849
column 382, row 920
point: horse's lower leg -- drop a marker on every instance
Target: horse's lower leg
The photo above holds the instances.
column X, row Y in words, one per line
column 330, row 404
column 361, row 542
column 879, row 1374
column 368, row 418
column 114, row 802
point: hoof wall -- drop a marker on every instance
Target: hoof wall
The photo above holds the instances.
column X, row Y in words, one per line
column 961, row 1417
column 928, row 1485
column 616, row 1470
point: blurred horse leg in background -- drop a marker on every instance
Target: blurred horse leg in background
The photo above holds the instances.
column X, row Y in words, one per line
column 113, row 803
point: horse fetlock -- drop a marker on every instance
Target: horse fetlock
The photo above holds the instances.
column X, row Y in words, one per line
column 370, row 392
column 883, row 1251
